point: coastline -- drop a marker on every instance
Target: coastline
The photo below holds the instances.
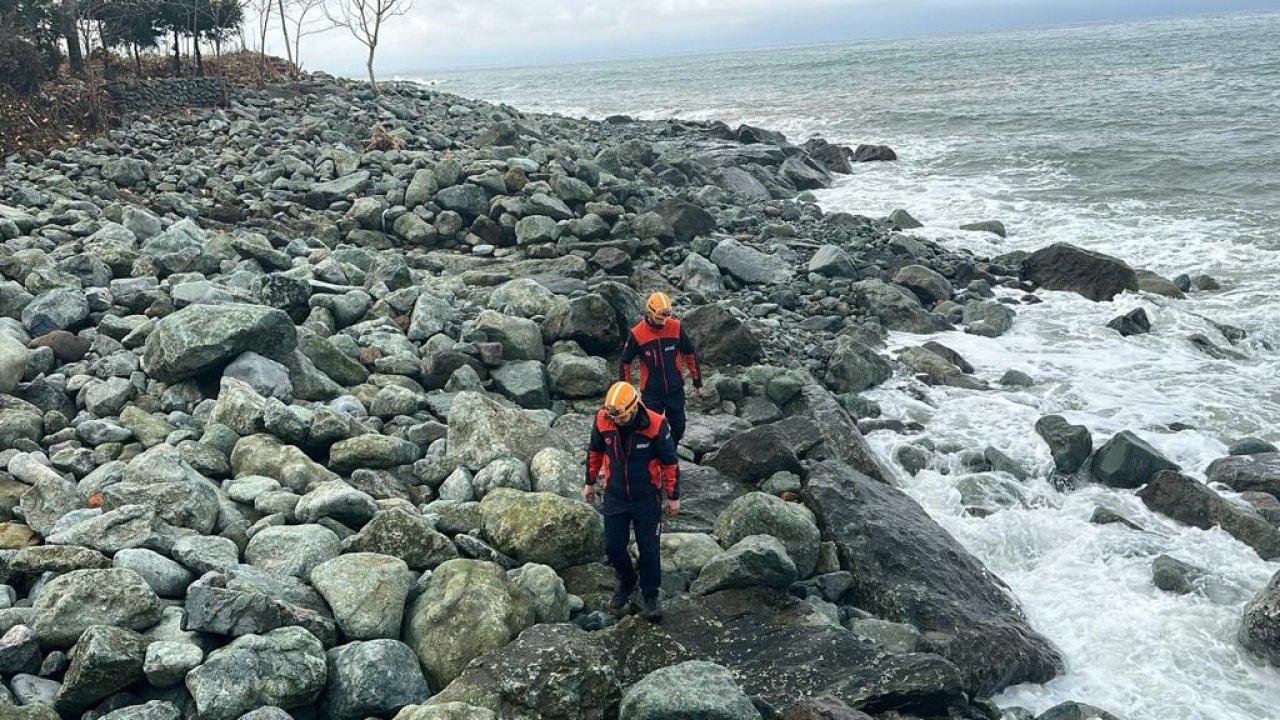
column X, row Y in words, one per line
column 413, row 282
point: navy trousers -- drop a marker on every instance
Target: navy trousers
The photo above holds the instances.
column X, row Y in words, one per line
column 643, row 515
column 672, row 406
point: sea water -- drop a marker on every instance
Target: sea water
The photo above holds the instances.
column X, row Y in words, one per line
column 1155, row 141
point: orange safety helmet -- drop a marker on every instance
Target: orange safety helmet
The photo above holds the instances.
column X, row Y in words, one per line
column 658, row 308
column 621, row 402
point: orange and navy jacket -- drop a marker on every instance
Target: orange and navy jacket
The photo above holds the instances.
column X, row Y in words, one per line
column 634, row 462
column 662, row 352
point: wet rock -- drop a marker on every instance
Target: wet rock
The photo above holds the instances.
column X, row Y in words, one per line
column 1189, row 501
column 1251, row 446
column 877, row 530
column 780, row 649
column 1062, row 266
column 1075, row 711
column 929, row 286
column 1134, row 322
column 1069, row 444
column 854, row 366
column 1258, row 472
column 874, row 153
column 1127, row 461
column 995, row 227
column 1173, row 575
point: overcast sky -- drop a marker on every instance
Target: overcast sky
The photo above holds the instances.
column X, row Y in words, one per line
column 438, row 34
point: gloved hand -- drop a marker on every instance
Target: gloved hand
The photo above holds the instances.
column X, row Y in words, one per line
column 589, row 493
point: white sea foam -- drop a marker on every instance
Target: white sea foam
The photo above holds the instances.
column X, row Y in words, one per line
column 1130, row 648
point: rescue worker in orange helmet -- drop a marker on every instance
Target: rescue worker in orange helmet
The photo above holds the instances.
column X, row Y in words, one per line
column 664, row 351
column 633, row 458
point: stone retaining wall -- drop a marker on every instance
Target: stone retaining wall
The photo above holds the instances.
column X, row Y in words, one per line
column 167, row 92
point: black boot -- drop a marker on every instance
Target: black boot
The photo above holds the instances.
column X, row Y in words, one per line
column 618, row 603
column 650, row 607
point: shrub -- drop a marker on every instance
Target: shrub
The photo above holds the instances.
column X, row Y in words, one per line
column 20, row 65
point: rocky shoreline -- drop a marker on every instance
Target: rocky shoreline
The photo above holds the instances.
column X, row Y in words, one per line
column 293, row 423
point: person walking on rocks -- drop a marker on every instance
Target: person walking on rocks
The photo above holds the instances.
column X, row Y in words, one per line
column 633, row 457
column 663, row 350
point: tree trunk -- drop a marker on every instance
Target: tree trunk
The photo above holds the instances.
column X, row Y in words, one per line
column 369, row 66
column 137, row 62
column 195, row 43
column 68, row 27
column 177, row 56
column 284, row 28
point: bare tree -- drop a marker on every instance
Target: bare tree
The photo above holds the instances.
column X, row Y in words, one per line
column 363, row 19
column 298, row 17
column 260, row 10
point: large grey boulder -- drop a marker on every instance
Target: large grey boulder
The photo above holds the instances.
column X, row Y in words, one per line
column 371, row 679
column 759, row 513
column 1069, row 444
column 167, row 578
column 551, row 671
column 337, row 501
column 927, row 284
column 588, row 320
column 285, row 668
column 1190, row 501
column 71, row 603
column 244, row 600
column 483, row 429
column 1260, row 628
column 59, row 309
column 755, row 560
column 519, row 337
column 204, row 338
column 367, row 592
column 1062, row 266
column 781, row 648
column 541, row 527
column 404, row 535
column 1127, row 461
column 906, row 568
column 167, row 662
column 749, row 265
column 372, row 451
column 104, row 660
column 854, row 366
column 691, row 689
column 292, row 549
column 896, row 307
column 1258, row 472
column 13, row 362
column 266, row 456
column 721, row 338
column 468, row 608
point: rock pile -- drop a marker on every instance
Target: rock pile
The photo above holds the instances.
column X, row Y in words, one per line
column 292, row 427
